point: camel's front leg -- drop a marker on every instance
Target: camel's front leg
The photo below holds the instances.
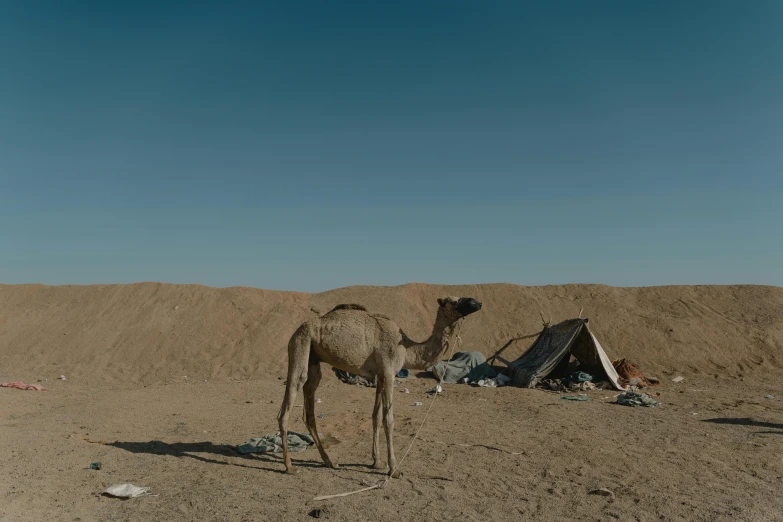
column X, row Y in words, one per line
column 387, row 392
column 376, row 433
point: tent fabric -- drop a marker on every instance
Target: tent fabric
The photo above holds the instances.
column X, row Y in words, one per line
column 552, row 350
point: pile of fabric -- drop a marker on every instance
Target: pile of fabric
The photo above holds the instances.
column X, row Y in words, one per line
column 465, row 367
column 274, row 443
column 630, row 375
column 635, row 398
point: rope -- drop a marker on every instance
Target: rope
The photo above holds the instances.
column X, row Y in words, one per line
column 432, row 402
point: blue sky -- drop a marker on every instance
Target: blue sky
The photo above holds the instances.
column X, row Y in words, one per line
column 310, row 145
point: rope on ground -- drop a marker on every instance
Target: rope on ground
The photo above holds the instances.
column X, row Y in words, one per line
column 487, row 446
column 458, row 340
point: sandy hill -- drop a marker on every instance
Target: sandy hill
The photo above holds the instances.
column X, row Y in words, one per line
column 153, row 332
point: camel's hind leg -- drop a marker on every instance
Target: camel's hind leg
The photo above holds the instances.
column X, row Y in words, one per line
column 386, row 385
column 376, row 431
column 311, row 385
column 298, row 357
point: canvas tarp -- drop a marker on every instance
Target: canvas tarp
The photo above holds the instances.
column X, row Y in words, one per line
column 552, row 351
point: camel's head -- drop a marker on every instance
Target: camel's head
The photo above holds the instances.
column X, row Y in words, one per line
column 458, row 307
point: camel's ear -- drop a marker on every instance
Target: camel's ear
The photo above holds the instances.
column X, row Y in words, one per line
column 440, row 302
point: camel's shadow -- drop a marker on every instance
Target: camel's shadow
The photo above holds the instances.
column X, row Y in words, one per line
column 746, row 421
column 191, row 449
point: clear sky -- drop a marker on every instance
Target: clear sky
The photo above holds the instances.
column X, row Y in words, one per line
column 309, row 145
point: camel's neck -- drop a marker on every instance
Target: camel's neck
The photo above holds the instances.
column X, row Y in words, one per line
column 420, row 356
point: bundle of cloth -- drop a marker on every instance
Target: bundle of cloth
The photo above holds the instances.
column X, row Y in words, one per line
column 469, row 368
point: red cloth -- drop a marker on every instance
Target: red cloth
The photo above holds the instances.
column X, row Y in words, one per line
column 22, row 386
column 628, row 370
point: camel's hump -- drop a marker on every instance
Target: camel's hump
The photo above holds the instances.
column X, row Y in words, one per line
column 348, row 307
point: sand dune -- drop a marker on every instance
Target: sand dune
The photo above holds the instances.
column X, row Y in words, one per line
column 153, row 332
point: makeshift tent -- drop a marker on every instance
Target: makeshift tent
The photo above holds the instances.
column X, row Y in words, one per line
column 550, row 354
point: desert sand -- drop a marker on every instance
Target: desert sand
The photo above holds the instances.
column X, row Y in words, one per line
column 167, row 379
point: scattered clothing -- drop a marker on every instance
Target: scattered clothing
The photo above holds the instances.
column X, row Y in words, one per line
column 554, row 384
column 274, row 443
column 124, row 491
column 633, row 398
column 576, row 398
column 579, row 381
column 630, row 375
column 19, row 385
column 470, row 365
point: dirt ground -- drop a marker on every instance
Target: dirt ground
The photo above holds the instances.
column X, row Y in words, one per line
column 712, row 451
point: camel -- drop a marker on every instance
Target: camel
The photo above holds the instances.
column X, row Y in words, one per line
column 371, row 345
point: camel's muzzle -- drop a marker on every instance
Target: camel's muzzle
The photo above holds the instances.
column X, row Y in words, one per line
column 468, row 305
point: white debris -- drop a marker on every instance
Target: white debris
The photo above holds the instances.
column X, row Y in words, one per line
column 603, row 492
column 318, row 401
column 61, row 377
column 124, row 491
column 679, row 378
column 436, row 389
column 495, row 382
column 417, row 403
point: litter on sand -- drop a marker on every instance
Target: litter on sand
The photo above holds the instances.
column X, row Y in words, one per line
column 274, row 443
column 417, row 403
column 124, row 491
column 495, row 382
column 19, row 385
column 95, row 465
column 576, row 398
column 679, row 378
column 769, row 397
column 602, row 492
column 437, row 389
column 632, row 398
